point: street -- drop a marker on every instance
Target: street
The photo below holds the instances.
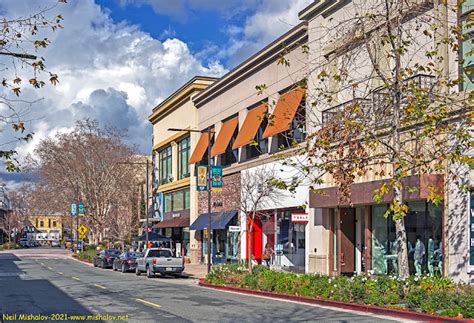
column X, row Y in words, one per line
column 46, row 281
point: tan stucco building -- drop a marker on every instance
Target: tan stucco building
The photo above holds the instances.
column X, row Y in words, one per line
column 174, row 185
column 50, row 227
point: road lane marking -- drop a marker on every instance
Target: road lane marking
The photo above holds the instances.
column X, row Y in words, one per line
column 42, row 264
column 50, row 268
column 60, row 273
column 75, row 278
column 147, row 302
column 100, row 286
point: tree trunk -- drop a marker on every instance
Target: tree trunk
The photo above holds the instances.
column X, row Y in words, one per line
column 401, row 234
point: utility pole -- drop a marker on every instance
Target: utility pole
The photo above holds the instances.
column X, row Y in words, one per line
column 146, row 203
column 209, row 226
column 209, row 185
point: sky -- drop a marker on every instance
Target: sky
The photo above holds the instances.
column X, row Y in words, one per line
column 117, row 59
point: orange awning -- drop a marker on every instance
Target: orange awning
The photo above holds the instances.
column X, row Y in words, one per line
column 200, row 148
column 284, row 112
column 224, row 136
column 250, row 127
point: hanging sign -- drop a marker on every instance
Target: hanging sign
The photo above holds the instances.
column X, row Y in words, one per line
column 73, row 209
column 234, row 228
column 216, row 178
column 201, row 178
column 299, row 217
column 81, row 209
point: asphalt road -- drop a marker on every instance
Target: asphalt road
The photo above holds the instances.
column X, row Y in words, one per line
column 46, row 281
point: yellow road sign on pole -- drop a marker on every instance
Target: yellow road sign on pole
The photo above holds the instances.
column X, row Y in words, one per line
column 82, row 230
column 82, row 236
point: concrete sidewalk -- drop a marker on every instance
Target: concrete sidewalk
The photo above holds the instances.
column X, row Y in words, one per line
column 195, row 270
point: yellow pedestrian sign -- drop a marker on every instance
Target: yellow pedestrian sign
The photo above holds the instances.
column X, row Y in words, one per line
column 82, row 230
column 82, row 236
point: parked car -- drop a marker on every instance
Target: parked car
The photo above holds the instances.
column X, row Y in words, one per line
column 34, row 243
column 55, row 243
column 24, row 243
column 159, row 261
column 105, row 258
column 127, row 261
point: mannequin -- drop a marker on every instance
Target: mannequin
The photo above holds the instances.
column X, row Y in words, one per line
column 431, row 249
column 418, row 255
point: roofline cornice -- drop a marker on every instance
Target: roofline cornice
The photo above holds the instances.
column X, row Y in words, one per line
column 296, row 36
column 321, row 7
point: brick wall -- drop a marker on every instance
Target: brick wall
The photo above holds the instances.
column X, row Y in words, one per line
column 229, row 197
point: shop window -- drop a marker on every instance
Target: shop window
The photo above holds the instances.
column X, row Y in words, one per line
column 54, row 224
column 177, row 201
column 259, row 146
column 41, row 223
column 231, row 155
column 423, row 228
column 49, row 223
column 184, row 149
column 466, row 48
column 295, row 134
column 165, row 159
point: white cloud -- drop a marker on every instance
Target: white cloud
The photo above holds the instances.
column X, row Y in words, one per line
column 110, row 71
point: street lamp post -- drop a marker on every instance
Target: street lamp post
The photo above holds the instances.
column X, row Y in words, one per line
column 208, row 182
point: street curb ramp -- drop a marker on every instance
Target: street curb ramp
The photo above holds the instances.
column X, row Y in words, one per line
column 411, row 315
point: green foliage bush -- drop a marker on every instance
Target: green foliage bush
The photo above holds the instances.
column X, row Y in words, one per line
column 436, row 295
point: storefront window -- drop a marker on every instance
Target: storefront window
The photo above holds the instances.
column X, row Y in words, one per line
column 187, row 249
column 165, row 158
column 290, row 241
column 233, row 245
column 183, row 157
column 423, row 229
column 177, row 201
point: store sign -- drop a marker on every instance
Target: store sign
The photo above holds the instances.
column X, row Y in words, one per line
column 216, row 178
column 201, row 178
column 234, row 228
column 299, row 217
column 175, row 215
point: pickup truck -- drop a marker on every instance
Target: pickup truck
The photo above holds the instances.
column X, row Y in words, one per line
column 159, row 261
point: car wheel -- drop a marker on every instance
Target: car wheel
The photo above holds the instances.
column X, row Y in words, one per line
column 149, row 274
column 137, row 272
column 113, row 267
column 95, row 263
column 123, row 268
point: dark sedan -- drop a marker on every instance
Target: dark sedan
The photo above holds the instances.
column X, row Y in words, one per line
column 105, row 258
column 127, row 261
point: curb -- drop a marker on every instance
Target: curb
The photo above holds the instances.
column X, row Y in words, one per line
column 406, row 314
column 81, row 260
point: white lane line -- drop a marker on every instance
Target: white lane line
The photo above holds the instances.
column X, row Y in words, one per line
column 147, row 303
column 100, row 286
column 50, row 268
column 75, row 278
column 60, row 273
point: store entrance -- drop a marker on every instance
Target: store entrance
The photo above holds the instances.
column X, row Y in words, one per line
column 347, row 255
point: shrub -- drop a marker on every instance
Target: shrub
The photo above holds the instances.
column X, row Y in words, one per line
column 436, row 295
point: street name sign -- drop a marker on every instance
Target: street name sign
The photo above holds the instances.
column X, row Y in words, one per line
column 73, row 209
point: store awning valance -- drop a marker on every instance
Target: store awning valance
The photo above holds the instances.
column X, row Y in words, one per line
column 180, row 222
column 285, row 111
column 152, row 236
column 224, row 136
column 250, row 126
column 200, row 149
column 219, row 220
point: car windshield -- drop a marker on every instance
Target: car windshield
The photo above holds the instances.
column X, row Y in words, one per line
column 113, row 252
column 159, row 253
column 132, row 255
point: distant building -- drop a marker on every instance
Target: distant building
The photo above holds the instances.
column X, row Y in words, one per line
column 49, row 227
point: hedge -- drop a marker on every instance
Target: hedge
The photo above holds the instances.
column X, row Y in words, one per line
column 434, row 295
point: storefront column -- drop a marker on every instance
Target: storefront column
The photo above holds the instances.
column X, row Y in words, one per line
column 338, row 240
column 368, row 240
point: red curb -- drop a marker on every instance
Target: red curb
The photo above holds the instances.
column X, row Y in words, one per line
column 406, row 314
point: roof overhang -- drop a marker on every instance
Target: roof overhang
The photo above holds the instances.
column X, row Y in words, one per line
column 321, row 7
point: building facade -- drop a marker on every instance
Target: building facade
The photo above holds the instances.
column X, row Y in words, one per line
column 246, row 143
column 48, row 227
column 174, row 184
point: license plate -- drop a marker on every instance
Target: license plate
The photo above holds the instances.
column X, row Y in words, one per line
column 169, row 269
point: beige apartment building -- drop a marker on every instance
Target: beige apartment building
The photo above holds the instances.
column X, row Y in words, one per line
column 174, row 184
column 50, row 227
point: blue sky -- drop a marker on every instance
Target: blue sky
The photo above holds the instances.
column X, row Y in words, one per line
column 118, row 59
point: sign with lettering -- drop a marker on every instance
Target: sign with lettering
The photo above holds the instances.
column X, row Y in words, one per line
column 73, row 209
column 234, row 228
column 201, row 178
column 299, row 217
column 216, row 178
column 81, row 209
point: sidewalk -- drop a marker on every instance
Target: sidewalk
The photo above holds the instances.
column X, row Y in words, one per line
column 197, row 271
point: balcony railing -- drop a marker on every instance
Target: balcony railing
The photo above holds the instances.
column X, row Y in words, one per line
column 380, row 105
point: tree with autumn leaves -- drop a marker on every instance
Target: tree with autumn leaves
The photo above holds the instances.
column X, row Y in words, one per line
column 21, row 42
column 383, row 99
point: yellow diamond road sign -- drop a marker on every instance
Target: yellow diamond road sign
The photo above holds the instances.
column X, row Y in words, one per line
column 82, row 236
column 82, row 230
